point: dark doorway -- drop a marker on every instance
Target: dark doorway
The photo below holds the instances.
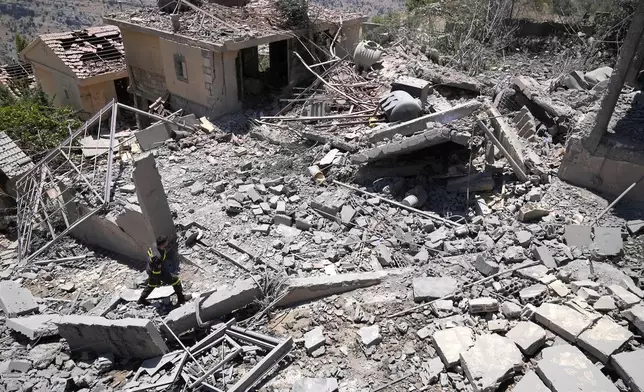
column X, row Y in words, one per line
column 262, row 70
column 120, row 85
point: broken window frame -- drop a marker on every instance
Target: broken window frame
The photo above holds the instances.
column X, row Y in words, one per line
column 181, row 67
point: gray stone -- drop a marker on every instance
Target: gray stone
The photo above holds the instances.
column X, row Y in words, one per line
column 433, row 368
column 425, row 332
column 562, row 320
column 635, row 226
column 280, row 219
column 383, row 253
column 530, row 383
column 608, row 241
column 485, row 265
column 559, row 288
column 314, row 339
column 43, row 355
column 347, row 213
column 587, row 294
column 576, row 285
column 197, row 188
column 625, row 299
column 564, row 368
column 16, row 300
column 450, row 343
column 542, row 253
column 218, row 304
column 532, row 211
column 492, row 360
column 370, row 336
column 125, row 338
column 315, row 385
column 528, row 336
column 578, row 236
column 511, row 310
column 629, row 366
column 428, row 288
column 605, row 303
column 514, row 254
column 535, row 294
column 604, row 339
column 636, row 316
column 627, row 283
column 34, row 327
column 524, row 237
column 498, row 326
column 483, row 305
column 422, row 256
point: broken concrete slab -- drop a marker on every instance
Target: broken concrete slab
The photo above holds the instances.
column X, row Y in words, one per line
column 629, row 366
column 604, row 339
column 492, row 360
column 508, row 138
column 130, row 295
column 314, row 339
column 306, row 289
column 498, row 326
column 153, row 136
column 485, row 265
column 450, row 343
column 410, row 127
column 370, row 336
column 578, row 236
column 315, row 385
column 542, row 253
column 636, row 316
column 125, row 338
column 528, row 336
column 16, row 300
column 625, row 299
column 562, row 320
column 605, row 303
column 428, row 288
column 535, row 294
column 328, row 203
column 564, row 368
column 627, row 283
column 530, row 383
column 635, row 226
column 608, row 241
column 34, row 327
column 107, row 304
column 511, row 310
column 598, row 75
column 429, row 138
column 218, row 304
column 559, row 288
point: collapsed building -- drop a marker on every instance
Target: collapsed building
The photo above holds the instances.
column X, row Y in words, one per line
column 393, row 225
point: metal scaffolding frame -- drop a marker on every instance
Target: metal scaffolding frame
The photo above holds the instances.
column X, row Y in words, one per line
column 66, row 179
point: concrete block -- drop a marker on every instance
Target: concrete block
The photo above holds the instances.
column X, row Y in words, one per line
column 484, row 305
column 34, row 327
column 486, row 266
column 627, row 283
column 306, row 289
column 587, row 294
column 535, row 294
column 152, row 197
column 16, row 300
column 329, row 203
column 428, row 288
column 511, row 310
column 125, row 338
column 608, row 241
column 450, row 343
column 559, row 288
column 578, row 236
column 492, row 360
column 605, row 303
column 347, row 213
column 383, row 254
column 625, row 299
column 314, row 339
column 530, row 383
column 153, row 136
column 543, row 254
column 629, row 366
column 498, row 326
column 107, row 304
column 218, row 304
column 564, row 368
column 315, row 385
column 636, row 316
column 604, row 339
column 562, row 320
column 280, row 219
column 370, row 336
column 528, row 336
column 576, row 285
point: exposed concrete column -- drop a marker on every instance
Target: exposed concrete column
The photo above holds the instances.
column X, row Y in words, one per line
column 617, row 80
column 142, row 121
column 152, row 198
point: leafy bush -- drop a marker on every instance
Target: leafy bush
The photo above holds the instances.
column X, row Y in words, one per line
column 294, row 12
column 32, row 122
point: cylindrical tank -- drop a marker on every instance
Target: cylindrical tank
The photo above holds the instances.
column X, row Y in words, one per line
column 367, row 53
column 400, row 106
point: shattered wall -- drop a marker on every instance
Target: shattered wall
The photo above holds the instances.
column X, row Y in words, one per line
column 59, row 86
column 145, row 65
column 95, row 96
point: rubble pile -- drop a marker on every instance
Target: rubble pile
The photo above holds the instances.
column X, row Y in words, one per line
column 418, row 241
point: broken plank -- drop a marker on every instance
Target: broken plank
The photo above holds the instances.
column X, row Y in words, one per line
column 518, row 170
column 418, row 124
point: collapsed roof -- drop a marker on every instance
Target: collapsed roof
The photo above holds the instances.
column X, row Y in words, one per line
column 13, row 73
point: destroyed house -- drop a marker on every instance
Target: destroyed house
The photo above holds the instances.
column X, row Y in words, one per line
column 84, row 69
column 17, row 75
column 210, row 59
column 13, row 163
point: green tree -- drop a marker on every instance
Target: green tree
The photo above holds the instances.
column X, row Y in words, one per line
column 21, row 43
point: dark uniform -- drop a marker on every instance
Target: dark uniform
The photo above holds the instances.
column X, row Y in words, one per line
column 161, row 272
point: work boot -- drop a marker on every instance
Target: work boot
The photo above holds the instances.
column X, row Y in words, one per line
column 144, row 294
column 178, row 289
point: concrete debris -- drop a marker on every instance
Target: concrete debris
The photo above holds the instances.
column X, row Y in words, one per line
column 511, row 310
column 498, row 326
column 314, row 339
column 528, row 336
column 315, row 385
column 531, row 212
column 562, row 320
column 629, row 366
column 625, row 299
column 543, row 254
column 565, row 368
column 432, row 370
column 486, row 266
column 450, row 343
column 483, row 305
column 605, row 303
column 608, row 241
column 578, row 236
column 16, row 300
column 492, row 360
column 370, row 336
column 636, row 316
column 428, row 288
column 35, row 327
column 530, row 382
column 535, row 294
column 604, row 339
